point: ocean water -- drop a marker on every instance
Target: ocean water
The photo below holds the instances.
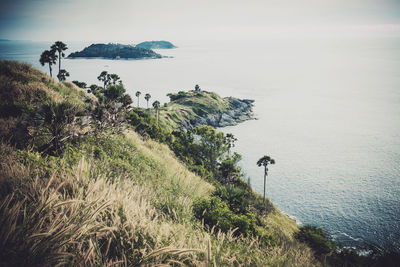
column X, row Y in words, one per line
column 328, row 112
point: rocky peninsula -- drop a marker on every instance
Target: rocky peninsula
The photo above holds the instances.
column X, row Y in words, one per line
column 187, row 110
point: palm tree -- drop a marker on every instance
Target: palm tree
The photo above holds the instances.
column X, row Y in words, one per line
column 230, row 140
column 48, row 57
column 147, row 97
column 59, row 47
column 114, row 78
column 104, row 77
column 138, row 93
column 156, row 106
column 54, row 119
column 264, row 161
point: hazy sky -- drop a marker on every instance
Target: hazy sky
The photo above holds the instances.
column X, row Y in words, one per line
column 137, row 20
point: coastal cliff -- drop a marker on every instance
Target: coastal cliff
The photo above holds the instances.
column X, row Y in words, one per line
column 240, row 110
column 186, row 110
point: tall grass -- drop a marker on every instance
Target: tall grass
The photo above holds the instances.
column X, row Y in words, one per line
column 74, row 212
column 111, row 200
column 120, row 201
column 74, row 218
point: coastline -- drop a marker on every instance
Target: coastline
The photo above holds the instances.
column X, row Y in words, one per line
column 241, row 110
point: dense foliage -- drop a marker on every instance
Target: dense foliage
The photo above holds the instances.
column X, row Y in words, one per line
column 156, row 45
column 114, row 51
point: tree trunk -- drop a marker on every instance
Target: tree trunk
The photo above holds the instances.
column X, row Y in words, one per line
column 137, row 101
column 265, row 180
column 59, row 62
column 50, row 70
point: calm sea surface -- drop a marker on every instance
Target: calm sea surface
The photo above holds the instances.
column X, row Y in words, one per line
column 328, row 112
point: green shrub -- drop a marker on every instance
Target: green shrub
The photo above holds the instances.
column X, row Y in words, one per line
column 316, row 238
column 237, row 198
column 113, row 92
column 216, row 213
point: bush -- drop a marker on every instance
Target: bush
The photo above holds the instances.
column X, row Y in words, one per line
column 114, row 92
column 316, row 238
column 180, row 94
column 216, row 213
column 237, row 198
column 146, row 125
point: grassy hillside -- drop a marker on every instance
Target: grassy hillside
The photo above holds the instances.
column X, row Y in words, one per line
column 112, row 198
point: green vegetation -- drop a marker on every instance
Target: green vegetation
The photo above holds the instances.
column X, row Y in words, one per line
column 105, row 196
column 81, row 183
column 156, row 45
column 115, row 51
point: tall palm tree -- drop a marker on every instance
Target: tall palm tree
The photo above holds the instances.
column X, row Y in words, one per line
column 48, row 57
column 138, row 93
column 147, row 97
column 156, row 106
column 264, row 161
column 59, row 47
column 104, row 77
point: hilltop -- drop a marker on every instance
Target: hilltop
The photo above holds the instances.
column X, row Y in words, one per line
column 156, row 45
column 115, row 51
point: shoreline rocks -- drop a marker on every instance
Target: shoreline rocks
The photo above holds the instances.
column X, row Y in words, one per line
column 240, row 110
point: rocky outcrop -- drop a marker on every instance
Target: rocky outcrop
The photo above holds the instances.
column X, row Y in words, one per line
column 240, row 110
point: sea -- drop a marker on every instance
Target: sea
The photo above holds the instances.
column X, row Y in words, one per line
column 327, row 110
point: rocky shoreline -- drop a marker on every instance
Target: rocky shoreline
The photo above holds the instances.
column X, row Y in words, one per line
column 241, row 110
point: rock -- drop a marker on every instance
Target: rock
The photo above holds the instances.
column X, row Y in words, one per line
column 241, row 110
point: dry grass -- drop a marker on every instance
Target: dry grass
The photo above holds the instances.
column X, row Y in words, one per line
column 77, row 219
column 111, row 200
column 53, row 213
column 21, row 83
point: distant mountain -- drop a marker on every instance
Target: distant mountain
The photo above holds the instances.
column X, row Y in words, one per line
column 115, row 51
column 156, row 45
column 4, row 40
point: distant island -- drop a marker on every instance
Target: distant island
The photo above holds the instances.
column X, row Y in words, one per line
column 156, row 45
column 115, row 51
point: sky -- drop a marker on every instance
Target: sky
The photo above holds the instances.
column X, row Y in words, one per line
column 138, row 20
